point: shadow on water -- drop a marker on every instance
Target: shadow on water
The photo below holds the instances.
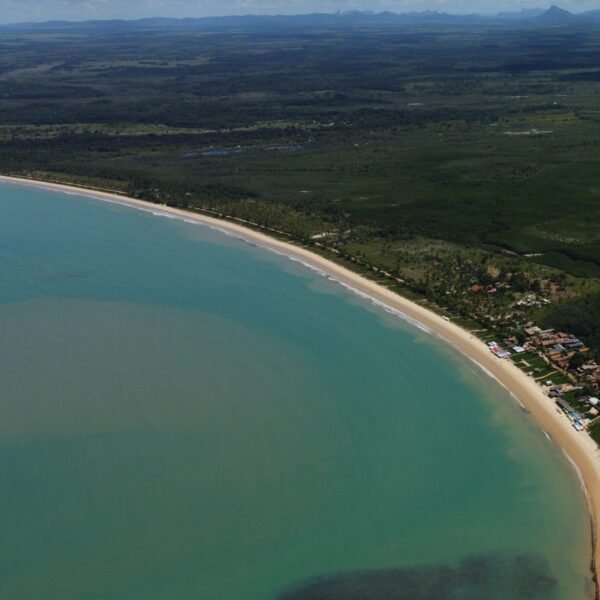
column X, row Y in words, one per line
column 475, row 578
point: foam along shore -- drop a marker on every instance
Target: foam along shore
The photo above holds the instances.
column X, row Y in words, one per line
column 579, row 448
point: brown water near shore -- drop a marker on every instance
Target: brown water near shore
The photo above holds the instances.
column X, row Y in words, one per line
column 578, row 447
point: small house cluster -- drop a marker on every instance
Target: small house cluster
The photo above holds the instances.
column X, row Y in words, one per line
column 561, row 364
column 498, row 350
column 577, row 419
column 559, row 348
column 531, row 301
column 589, row 372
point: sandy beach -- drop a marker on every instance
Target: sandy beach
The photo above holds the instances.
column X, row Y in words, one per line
column 578, row 446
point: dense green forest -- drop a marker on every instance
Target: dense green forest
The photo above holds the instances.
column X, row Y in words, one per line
column 580, row 316
column 418, row 150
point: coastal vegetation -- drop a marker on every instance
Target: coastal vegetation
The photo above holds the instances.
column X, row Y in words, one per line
column 454, row 163
column 579, row 315
column 487, row 139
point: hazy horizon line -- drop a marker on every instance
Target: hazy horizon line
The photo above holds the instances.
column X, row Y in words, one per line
column 525, row 10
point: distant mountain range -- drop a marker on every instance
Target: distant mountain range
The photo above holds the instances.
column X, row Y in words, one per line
column 552, row 17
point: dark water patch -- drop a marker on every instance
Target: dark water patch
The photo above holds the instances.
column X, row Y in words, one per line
column 475, row 578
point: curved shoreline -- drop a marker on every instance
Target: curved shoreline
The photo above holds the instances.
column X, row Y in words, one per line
column 578, row 447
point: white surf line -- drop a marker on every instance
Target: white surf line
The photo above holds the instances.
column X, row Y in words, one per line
column 490, row 374
column 323, row 273
column 364, row 295
column 416, row 323
column 331, row 277
column 388, row 308
column 253, row 242
column 579, row 474
column 485, row 370
column 152, row 209
column 124, row 201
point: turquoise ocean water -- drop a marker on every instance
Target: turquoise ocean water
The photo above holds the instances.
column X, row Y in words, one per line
column 186, row 416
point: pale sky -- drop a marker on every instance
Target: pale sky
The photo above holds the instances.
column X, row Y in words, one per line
column 42, row 10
